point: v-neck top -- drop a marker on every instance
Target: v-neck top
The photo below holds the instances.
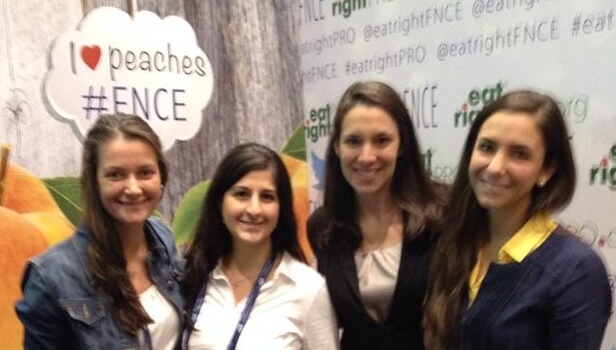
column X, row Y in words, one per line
column 164, row 331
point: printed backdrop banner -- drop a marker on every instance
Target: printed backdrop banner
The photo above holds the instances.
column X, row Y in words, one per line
column 448, row 59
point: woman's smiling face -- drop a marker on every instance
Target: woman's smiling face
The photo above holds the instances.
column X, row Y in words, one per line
column 250, row 208
column 508, row 161
column 368, row 149
column 129, row 180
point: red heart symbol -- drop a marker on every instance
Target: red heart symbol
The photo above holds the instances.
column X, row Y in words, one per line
column 91, row 55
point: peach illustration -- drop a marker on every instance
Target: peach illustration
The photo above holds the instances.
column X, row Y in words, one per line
column 25, row 193
column 31, row 222
column 301, row 207
column 19, row 241
column 55, row 227
column 298, row 172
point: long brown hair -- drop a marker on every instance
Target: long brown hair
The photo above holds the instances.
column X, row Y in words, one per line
column 411, row 187
column 212, row 239
column 106, row 262
column 466, row 222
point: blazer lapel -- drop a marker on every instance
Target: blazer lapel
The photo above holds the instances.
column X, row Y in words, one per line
column 412, row 277
column 346, row 261
column 408, row 263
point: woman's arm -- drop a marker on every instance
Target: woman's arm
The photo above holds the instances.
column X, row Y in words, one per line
column 582, row 304
column 321, row 328
column 45, row 325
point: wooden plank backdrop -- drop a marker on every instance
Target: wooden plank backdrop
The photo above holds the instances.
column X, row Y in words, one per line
column 252, row 46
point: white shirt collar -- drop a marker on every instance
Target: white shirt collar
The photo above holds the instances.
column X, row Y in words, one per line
column 285, row 269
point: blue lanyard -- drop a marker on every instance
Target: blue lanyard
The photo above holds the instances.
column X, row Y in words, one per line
column 250, row 302
column 252, row 297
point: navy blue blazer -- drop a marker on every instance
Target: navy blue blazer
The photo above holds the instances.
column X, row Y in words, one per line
column 558, row 297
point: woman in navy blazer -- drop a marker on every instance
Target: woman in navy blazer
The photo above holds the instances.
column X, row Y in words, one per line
column 372, row 237
column 505, row 275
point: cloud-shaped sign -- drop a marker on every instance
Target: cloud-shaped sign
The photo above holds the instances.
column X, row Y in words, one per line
column 143, row 65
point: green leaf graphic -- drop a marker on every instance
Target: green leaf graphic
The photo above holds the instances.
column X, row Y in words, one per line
column 296, row 145
column 188, row 212
column 66, row 191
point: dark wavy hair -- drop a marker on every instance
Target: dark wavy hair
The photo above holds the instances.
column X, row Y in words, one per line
column 467, row 222
column 106, row 261
column 420, row 199
column 212, row 240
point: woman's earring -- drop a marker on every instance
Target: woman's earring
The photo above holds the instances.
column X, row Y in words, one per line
column 542, row 182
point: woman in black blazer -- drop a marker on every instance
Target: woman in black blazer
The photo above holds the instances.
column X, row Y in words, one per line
column 373, row 235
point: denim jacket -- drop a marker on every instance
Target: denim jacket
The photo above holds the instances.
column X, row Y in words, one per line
column 62, row 309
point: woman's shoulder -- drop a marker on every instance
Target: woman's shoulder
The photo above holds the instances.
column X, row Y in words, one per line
column 63, row 267
column 570, row 246
column 564, row 253
column 159, row 227
column 162, row 232
column 575, row 269
column 300, row 273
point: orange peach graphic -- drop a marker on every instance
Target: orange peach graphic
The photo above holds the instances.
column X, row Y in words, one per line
column 31, row 222
column 25, row 193
column 298, row 172
column 19, row 241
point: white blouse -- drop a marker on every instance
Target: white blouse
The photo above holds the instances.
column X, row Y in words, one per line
column 377, row 274
column 292, row 311
column 165, row 330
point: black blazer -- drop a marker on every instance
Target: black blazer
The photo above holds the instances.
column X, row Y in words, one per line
column 402, row 328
